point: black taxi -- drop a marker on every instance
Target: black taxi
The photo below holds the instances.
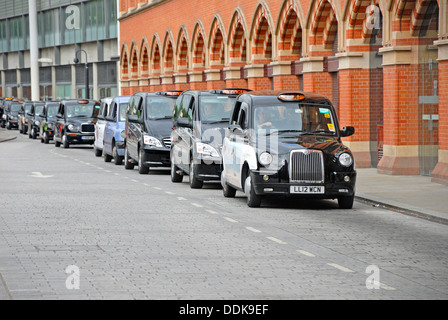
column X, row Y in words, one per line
column 287, row 144
column 200, row 120
column 75, row 122
column 148, row 130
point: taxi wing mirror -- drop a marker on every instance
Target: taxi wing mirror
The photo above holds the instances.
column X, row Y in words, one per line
column 347, row 131
column 59, row 116
column 236, row 129
column 184, row 122
column 134, row 119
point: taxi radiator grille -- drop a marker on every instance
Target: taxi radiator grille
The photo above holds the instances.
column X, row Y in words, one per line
column 306, row 166
column 88, row 127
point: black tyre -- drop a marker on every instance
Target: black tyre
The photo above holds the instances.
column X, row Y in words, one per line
column 128, row 165
column 194, row 182
column 253, row 200
column 142, row 169
column 65, row 143
column 118, row 160
column 107, row 158
column 176, row 177
column 46, row 139
column 346, row 202
column 228, row 191
column 98, row 152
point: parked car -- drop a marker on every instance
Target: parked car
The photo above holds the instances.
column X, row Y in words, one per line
column 100, row 126
column 200, row 120
column 47, row 124
column 24, row 115
column 11, row 116
column 287, row 144
column 2, row 110
column 148, row 130
column 115, row 131
column 34, row 119
column 75, row 122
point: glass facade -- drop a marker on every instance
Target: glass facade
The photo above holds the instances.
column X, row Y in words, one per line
column 75, row 24
column 60, row 22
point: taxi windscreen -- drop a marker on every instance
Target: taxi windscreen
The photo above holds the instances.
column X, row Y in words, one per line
column 302, row 118
column 52, row 110
column 215, row 108
column 16, row 107
column 81, row 110
column 159, row 107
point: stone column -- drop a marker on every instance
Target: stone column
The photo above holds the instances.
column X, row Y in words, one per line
column 400, row 72
column 440, row 172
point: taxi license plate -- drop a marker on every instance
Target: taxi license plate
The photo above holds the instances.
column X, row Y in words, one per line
column 307, row 189
column 87, row 138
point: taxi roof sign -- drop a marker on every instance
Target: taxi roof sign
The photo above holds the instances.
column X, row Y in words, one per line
column 291, row 96
column 169, row 93
column 231, row 91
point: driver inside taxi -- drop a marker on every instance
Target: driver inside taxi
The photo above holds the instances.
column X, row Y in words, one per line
column 263, row 119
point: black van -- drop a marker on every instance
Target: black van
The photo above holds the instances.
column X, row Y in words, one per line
column 148, row 130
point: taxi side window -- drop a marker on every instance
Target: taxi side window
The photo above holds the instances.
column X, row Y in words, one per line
column 235, row 113
column 183, row 107
column 139, row 104
column 242, row 117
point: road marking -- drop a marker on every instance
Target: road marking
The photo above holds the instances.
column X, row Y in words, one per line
column 306, row 253
column 108, row 171
column 383, row 286
column 147, row 185
column 157, row 188
column 339, row 267
column 181, row 199
column 169, row 192
column 117, row 174
column 134, row 181
column 39, row 175
column 230, row 219
column 276, row 240
column 252, row 229
column 212, row 212
column 197, row 205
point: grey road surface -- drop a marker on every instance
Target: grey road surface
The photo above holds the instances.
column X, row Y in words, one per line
column 75, row 227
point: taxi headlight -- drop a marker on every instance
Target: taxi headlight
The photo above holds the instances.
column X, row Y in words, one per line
column 206, row 149
column 265, row 159
column 73, row 128
column 345, row 159
column 37, row 123
column 151, row 141
column 49, row 125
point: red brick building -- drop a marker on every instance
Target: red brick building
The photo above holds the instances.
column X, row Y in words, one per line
column 383, row 63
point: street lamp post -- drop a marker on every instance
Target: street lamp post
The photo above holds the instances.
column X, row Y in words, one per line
column 86, row 72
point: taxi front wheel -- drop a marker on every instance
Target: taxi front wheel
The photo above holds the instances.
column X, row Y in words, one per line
column 346, row 202
column 253, row 200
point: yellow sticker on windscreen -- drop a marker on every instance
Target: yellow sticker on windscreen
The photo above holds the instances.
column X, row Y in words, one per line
column 330, row 127
column 327, row 115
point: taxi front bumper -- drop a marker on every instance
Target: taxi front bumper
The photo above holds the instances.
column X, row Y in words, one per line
column 336, row 185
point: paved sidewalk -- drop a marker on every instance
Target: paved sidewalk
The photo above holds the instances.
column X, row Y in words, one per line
column 6, row 135
column 415, row 195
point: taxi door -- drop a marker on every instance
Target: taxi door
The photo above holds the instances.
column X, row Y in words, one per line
column 184, row 135
column 235, row 144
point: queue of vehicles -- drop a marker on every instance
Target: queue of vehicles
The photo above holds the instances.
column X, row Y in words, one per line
column 262, row 143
